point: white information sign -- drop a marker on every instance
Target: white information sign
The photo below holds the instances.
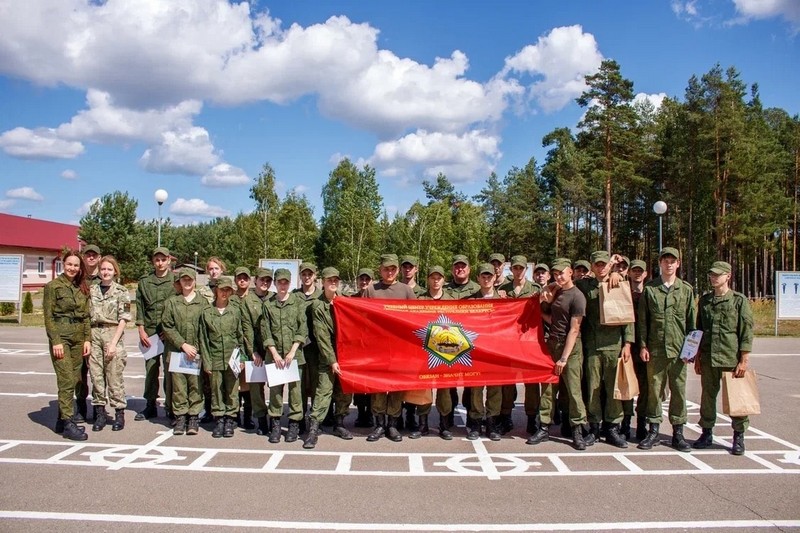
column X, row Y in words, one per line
column 787, row 295
column 293, row 265
column 11, row 278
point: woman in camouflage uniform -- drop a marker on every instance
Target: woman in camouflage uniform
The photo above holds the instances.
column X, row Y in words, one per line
column 111, row 311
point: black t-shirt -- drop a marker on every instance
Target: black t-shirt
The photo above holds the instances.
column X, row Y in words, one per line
column 568, row 303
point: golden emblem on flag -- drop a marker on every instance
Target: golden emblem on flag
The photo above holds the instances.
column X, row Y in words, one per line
column 447, row 342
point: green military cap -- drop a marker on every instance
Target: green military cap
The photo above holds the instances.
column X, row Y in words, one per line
column 459, row 258
column 720, row 267
column 669, row 250
column 388, row 260
column 582, row 263
column 225, row 282
column 600, row 256
column 160, row 250
column 187, row 272
column 308, row 266
column 497, row 257
column 638, row 263
column 91, row 248
column 624, row 259
column 560, row 264
column 283, row 273
column 519, row 260
column 212, row 283
column 485, row 268
column 366, row 272
column 562, row 259
column 541, row 266
column 241, row 270
column 264, row 273
column 410, row 259
column 435, row 269
column 330, row 272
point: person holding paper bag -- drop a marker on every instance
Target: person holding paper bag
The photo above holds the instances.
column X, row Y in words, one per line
column 284, row 329
column 726, row 320
column 181, row 326
column 666, row 313
column 603, row 345
column 220, row 336
column 328, row 385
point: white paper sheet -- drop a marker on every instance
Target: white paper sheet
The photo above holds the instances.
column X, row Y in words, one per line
column 691, row 345
column 278, row 376
column 178, row 363
column 233, row 362
column 255, row 374
column 156, row 347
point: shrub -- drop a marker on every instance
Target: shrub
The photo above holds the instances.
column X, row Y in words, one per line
column 27, row 304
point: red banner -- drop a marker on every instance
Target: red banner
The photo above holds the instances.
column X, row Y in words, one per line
column 396, row 345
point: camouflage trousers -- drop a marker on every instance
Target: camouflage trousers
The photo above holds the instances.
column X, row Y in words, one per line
column 108, row 386
column 68, row 368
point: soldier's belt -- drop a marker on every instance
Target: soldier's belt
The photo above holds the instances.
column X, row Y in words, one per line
column 99, row 325
column 67, row 320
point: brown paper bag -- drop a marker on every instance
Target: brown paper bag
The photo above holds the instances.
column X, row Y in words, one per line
column 616, row 305
column 626, row 387
column 740, row 395
column 418, row 397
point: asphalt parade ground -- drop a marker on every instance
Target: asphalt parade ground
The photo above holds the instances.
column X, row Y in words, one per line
column 145, row 479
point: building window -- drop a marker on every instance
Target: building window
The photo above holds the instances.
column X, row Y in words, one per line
column 41, row 265
column 59, row 267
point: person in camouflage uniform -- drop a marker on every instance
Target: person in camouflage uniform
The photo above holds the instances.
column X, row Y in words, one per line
column 252, row 312
column 241, row 277
column 363, row 402
column 67, row 314
column 308, row 293
column 91, row 258
column 284, row 329
column 215, row 268
column 111, row 311
column 329, row 387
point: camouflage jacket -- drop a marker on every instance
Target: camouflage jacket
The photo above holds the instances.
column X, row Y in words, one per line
column 111, row 307
column 220, row 334
column 63, row 304
column 283, row 324
column 181, row 322
column 151, row 294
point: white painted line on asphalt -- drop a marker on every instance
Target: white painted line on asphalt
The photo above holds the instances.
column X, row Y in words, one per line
column 415, row 465
column 486, row 463
column 55, row 459
column 697, row 463
column 627, row 463
column 273, row 462
column 345, row 526
column 142, row 451
column 29, row 394
column 760, row 460
column 560, row 465
column 204, row 458
column 344, row 464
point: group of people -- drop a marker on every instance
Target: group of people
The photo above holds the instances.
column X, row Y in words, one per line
column 235, row 319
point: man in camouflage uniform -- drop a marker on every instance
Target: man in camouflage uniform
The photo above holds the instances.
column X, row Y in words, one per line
column 151, row 293
column 363, row 402
column 91, row 257
column 252, row 311
column 307, row 293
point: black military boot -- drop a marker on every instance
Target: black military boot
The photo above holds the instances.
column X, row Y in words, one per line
column 615, row 438
column 444, row 429
column 504, row 424
column 737, row 447
column 625, row 428
column 293, row 432
column 542, row 434
column 147, row 413
column 641, row 427
column 193, row 426
column 424, row 428
column 593, row 435
column 73, row 432
column 219, row 428
column 100, row 419
column 275, row 430
column 80, row 413
column 380, row 429
column 59, row 427
column 652, row 438
column 577, row 438
column 410, row 421
column 313, row 435
column 119, row 420
column 678, row 442
column 533, row 424
column 339, row 430
column 230, row 427
column 263, row 426
column 391, row 429
column 492, row 431
column 180, row 425
column 705, row 440
column 473, row 429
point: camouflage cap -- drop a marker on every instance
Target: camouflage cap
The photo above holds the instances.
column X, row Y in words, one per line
column 669, row 250
column 625, row 259
column 283, row 273
column 366, row 272
column 241, row 270
column 308, row 266
column 330, row 272
column 459, row 258
column 435, row 269
column 225, row 282
column 541, row 266
column 91, row 248
column 187, row 272
column 720, row 267
column 485, row 268
column 519, row 260
column 160, row 250
column 388, row 260
column 560, row 264
column 410, row 259
column 583, row 263
column 600, row 256
column 638, row 263
column 264, row 273
column 497, row 257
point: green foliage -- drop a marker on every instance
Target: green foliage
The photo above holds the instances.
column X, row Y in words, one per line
column 7, row 308
column 27, row 304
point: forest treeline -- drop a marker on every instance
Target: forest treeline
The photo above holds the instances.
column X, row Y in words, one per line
column 727, row 168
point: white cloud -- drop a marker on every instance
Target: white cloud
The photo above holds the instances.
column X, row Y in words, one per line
column 300, row 189
column 654, row 99
column 41, row 143
column 83, row 209
column 69, row 174
column 560, row 61
column 7, row 204
column 182, row 152
column 465, row 157
column 24, row 193
column 196, row 207
column 763, row 9
column 225, row 175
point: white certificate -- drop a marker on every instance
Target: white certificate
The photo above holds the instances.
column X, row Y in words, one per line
column 691, row 345
column 278, row 376
column 179, row 363
column 233, row 362
column 156, row 347
column 255, row 374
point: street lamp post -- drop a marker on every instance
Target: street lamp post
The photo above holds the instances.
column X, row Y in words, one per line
column 660, row 208
column 195, row 260
column 161, row 197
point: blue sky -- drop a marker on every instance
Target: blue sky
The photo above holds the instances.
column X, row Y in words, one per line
column 194, row 96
